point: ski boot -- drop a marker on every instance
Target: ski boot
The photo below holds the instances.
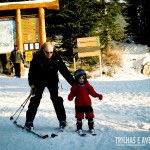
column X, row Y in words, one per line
column 29, row 125
column 62, row 124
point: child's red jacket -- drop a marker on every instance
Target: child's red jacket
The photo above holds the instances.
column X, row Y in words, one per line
column 82, row 92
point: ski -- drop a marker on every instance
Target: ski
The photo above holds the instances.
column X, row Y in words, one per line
column 92, row 132
column 81, row 133
column 32, row 131
column 57, row 133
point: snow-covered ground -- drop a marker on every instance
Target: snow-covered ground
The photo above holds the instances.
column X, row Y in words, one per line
column 122, row 119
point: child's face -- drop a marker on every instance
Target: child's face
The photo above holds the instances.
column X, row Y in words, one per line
column 81, row 79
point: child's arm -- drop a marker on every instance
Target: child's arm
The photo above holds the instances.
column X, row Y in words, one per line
column 93, row 93
column 72, row 93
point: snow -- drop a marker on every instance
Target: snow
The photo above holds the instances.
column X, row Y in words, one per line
column 26, row 2
column 122, row 118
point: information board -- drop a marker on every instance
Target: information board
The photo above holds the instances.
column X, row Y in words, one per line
column 28, row 56
column 30, row 30
column 30, row 33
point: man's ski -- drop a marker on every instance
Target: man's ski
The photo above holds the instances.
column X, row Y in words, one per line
column 32, row 131
column 81, row 133
column 58, row 132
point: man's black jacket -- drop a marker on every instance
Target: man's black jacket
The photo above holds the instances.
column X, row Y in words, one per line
column 45, row 71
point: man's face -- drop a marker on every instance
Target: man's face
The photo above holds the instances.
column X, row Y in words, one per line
column 15, row 47
column 48, row 51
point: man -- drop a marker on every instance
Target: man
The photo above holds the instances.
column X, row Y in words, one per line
column 16, row 57
column 43, row 72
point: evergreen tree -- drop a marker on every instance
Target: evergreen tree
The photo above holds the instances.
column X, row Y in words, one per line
column 137, row 15
column 77, row 18
column 109, row 28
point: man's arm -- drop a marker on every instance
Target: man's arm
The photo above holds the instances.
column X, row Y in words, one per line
column 64, row 71
column 10, row 56
column 32, row 72
column 21, row 55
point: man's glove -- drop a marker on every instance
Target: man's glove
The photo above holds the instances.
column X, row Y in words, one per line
column 32, row 90
column 100, row 96
column 70, row 98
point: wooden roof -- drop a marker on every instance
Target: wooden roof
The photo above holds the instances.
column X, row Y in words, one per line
column 49, row 4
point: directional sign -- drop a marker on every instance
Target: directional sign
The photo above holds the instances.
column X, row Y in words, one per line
column 87, row 44
column 88, row 41
column 89, row 54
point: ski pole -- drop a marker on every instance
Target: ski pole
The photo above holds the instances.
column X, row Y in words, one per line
column 22, row 105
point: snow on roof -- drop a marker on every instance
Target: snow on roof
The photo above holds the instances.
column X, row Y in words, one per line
column 27, row 2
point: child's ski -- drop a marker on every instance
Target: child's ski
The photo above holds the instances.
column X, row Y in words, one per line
column 92, row 132
column 80, row 132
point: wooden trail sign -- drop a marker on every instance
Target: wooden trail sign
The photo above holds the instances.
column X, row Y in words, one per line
column 87, row 47
column 87, row 44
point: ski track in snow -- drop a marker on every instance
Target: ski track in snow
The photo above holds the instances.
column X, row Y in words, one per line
column 124, row 112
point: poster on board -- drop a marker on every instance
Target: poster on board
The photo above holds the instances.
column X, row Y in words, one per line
column 7, row 35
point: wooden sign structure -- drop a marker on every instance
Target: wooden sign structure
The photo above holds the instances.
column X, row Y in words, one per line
column 17, row 6
column 49, row 4
column 88, row 47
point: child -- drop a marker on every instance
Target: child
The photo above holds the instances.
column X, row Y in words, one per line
column 83, row 105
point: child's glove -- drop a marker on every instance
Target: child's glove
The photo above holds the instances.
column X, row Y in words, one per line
column 100, row 96
column 70, row 98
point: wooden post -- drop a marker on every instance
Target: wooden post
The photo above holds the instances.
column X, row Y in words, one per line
column 100, row 63
column 42, row 30
column 19, row 37
column 74, row 61
column 18, row 30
